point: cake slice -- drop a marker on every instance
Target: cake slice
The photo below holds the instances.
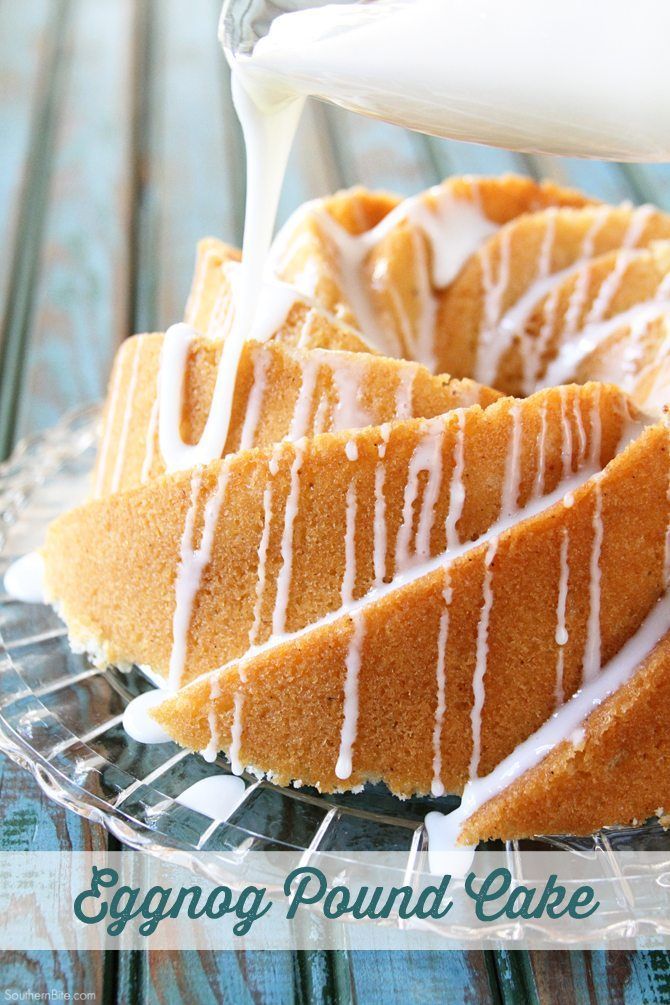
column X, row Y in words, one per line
column 269, row 540
column 439, row 676
column 484, row 322
column 280, row 393
column 379, row 263
column 615, row 772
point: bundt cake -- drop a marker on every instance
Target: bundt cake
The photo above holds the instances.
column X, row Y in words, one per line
column 381, row 572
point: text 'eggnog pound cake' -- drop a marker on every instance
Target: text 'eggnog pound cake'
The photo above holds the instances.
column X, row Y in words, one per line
column 418, row 533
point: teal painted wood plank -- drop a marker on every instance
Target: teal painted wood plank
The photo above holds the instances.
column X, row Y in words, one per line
column 81, row 295
column 452, row 157
column 29, row 218
column 606, row 181
column 398, row 978
column 648, row 978
column 32, row 822
column 173, row 978
column 23, row 45
column 378, row 155
column 194, row 167
column 651, row 183
column 600, row 978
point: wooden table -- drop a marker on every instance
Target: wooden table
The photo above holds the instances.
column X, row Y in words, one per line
column 119, row 150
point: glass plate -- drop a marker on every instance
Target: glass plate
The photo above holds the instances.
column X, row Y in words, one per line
column 60, row 717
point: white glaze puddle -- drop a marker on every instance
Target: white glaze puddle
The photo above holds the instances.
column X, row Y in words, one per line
column 24, row 579
column 214, row 797
column 565, row 724
column 137, row 721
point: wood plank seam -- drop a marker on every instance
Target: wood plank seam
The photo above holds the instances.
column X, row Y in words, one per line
column 31, row 216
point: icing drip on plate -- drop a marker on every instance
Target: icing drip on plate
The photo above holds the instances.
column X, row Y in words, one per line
column 215, row 797
column 24, row 579
column 138, row 723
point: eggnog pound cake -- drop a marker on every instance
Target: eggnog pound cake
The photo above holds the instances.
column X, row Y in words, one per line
column 348, row 565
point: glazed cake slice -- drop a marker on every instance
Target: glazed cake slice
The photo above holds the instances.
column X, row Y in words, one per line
column 218, row 558
column 379, row 263
column 484, row 320
column 280, row 393
column 616, row 771
column 439, row 676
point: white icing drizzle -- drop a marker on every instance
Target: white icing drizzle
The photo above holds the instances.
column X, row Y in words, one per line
column 290, row 513
column 454, row 229
column 238, row 700
column 236, row 765
column 581, row 432
column 572, row 352
column 24, row 579
column 379, row 527
column 583, row 274
column 638, row 222
column 349, row 578
column 348, row 412
column 427, row 456
column 137, row 722
column 110, row 419
column 512, row 324
column 306, row 329
column 566, row 433
column 512, row 478
column 262, row 561
column 127, row 414
column 320, row 415
column 561, row 624
column 220, row 320
column 255, row 401
column 437, row 787
column 597, row 430
column 351, row 450
column 538, row 489
column 547, row 246
column 215, row 797
column 192, row 564
column 566, row 722
column 212, row 748
column 499, row 333
column 350, row 713
column 404, row 389
column 489, row 346
column 481, row 657
column 148, row 461
column 431, row 494
column 302, row 412
column 456, row 486
column 592, row 646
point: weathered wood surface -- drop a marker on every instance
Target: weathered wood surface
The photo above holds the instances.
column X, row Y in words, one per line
column 119, row 150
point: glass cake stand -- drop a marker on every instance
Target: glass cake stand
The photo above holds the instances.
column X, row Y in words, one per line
column 60, row 717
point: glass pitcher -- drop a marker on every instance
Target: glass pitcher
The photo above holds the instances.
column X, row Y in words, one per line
column 587, row 79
